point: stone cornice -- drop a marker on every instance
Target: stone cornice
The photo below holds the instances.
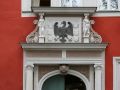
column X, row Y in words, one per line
column 66, row 46
column 64, row 10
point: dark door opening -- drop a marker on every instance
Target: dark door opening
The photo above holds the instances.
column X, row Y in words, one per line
column 67, row 82
column 74, row 83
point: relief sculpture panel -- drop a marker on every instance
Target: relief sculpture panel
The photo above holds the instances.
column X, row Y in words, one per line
column 63, row 29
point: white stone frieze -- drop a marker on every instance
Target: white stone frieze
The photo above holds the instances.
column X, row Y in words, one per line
column 64, row 30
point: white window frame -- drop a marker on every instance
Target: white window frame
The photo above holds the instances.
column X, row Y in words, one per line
column 26, row 8
column 116, row 63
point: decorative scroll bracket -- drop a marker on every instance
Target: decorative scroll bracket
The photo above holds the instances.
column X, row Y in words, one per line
column 33, row 37
column 37, row 36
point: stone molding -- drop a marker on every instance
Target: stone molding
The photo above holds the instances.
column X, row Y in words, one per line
column 64, row 10
column 67, row 46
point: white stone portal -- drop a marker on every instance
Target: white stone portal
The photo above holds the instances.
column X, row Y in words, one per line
column 64, row 36
column 63, row 54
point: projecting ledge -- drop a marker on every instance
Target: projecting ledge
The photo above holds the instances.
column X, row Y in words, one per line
column 64, row 10
column 66, row 46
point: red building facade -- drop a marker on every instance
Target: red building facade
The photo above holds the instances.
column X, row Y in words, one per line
column 15, row 28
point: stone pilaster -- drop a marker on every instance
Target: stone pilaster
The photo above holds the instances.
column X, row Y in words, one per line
column 29, row 77
column 98, row 76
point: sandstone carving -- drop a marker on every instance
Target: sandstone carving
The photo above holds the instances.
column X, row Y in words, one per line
column 95, row 37
column 33, row 37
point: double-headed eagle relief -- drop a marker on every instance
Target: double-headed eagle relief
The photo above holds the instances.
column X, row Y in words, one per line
column 62, row 30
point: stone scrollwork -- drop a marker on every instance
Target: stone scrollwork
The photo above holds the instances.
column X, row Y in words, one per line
column 95, row 37
column 37, row 36
column 33, row 37
column 89, row 35
column 63, row 32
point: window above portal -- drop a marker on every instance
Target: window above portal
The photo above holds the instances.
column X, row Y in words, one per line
column 102, row 5
column 64, row 3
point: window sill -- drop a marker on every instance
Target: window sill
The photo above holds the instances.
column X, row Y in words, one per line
column 107, row 13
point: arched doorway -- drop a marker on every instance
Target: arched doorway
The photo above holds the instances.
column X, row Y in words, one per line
column 64, row 82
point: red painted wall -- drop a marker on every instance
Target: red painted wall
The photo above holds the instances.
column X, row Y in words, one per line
column 109, row 29
column 14, row 29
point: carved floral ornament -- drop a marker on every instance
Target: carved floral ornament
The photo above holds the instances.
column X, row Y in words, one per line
column 63, row 32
